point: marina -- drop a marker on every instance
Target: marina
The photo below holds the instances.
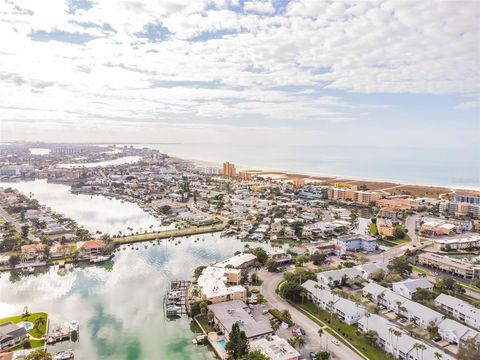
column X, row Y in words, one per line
column 176, row 298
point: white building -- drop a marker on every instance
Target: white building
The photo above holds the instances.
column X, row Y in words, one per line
column 408, row 288
column 456, row 333
column 459, row 309
column 275, row 348
column 240, row 261
column 221, row 284
column 357, row 242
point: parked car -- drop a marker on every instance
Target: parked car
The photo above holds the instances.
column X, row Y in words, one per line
column 336, row 342
column 302, row 332
column 313, row 356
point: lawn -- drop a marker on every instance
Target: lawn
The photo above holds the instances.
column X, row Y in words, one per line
column 421, row 270
column 373, row 229
column 347, row 331
column 35, row 332
column 207, row 327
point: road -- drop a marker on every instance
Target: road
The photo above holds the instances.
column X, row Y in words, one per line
column 15, row 223
column 312, row 340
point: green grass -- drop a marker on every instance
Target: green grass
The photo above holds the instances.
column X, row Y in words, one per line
column 207, row 327
column 373, row 229
column 36, row 333
column 421, row 270
column 349, row 332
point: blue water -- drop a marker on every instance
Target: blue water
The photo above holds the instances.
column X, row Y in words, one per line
column 221, row 343
column 442, row 166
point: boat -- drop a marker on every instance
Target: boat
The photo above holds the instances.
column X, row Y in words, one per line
column 63, row 355
column 99, row 258
column 73, row 325
column 30, row 269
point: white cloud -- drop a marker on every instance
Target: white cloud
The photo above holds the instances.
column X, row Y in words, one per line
column 215, row 61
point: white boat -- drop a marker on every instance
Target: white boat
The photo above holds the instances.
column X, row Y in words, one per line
column 64, row 355
column 73, row 325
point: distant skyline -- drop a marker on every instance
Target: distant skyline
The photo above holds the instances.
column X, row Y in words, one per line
column 376, row 73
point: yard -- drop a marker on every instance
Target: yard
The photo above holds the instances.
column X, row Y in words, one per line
column 38, row 331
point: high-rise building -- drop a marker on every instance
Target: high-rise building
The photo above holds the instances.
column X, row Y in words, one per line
column 467, row 199
column 229, row 170
column 245, row 175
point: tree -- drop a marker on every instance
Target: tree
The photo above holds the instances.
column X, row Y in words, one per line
column 261, row 255
column 378, row 275
column 14, row 260
column 301, row 259
column 24, row 229
column 255, row 355
column 320, row 334
column 401, row 266
column 165, row 209
column 286, row 315
column 322, row 355
column 422, row 295
column 399, row 231
column 237, row 345
column 470, row 350
column 318, row 258
column 39, row 322
column 296, row 341
column 292, row 290
column 39, row 355
column 271, row 265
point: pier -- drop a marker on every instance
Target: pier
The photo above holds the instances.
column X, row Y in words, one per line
column 176, row 298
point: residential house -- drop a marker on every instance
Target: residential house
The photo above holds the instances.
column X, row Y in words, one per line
column 11, row 335
column 33, row 252
column 90, row 247
column 456, row 333
column 336, row 277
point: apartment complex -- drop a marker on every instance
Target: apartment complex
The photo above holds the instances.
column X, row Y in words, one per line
column 459, row 309
column 356, row 242
column 236, row 311
column 275, row 348
column 461, row 209
column 467, row 199
column 229, row 170
column 219, row 284
column 348, row 192
column 447, row 264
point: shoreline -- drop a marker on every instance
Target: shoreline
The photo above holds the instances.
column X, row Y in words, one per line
column 285, row 174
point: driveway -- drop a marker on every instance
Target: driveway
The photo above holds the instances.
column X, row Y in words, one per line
column 312, row 340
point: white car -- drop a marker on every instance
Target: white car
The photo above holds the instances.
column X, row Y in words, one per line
column 336, row 342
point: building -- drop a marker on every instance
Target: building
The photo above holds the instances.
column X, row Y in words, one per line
column 365, row 197
column 402, row 346
column 219, row 284
column 336, row 277
column 240, row 261
column 208, row 170
column 298, row 182
column 90, row 247
column 229, row 170
column 236, row 311
column 456, row 333
column 449, row 265
column 467, row 199
column 275, row 348
column 386, row 228
column 459, row 309
column 464, row 242
column 33, row 252
column 421, row 315
column 245, row 175
column 461, row 209
column 409, row 287
column 387, row 213
column 342, row 192
column 357, row 242
column 347, row 311
column 11, row 335
column 397, row 203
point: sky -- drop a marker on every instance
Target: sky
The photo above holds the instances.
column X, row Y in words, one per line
column 386, row 73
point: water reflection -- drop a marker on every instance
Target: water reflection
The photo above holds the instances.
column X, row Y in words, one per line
column 120, row 306
column 92, row 212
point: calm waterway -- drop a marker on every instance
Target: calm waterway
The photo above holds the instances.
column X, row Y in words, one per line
column 120, row 161
column 92, row 212
column 120, row 305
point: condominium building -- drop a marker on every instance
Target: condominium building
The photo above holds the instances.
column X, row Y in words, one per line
column 468, row 199
column 275, row 348
column 356, row 242
column 218, row 284
column 297, row 182
column 245, row 175
column 459, row 309
column 229, row 170
column 447, row 264
column 365, row 197
column 460, row 209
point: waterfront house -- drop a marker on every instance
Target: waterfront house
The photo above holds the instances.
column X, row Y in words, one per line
column 33, row 252
column 11, row 335
column 218, row 284
column 408, row 288
column 275, row 348
column 236, row 311
column 90, row 247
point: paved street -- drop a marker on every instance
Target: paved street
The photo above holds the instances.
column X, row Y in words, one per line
column 15, row 223
column 312, row 340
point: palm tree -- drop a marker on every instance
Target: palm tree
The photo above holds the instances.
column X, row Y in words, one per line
column 39, row 322
column 320, row 333
column 367, row 315
column 397, row 333
column 416, row 346
column 391, row 330
column 302, row 295
column 437, row 355
column 422, row 347
column 330, row 303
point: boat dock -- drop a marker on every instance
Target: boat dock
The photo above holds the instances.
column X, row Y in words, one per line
column 176, row 298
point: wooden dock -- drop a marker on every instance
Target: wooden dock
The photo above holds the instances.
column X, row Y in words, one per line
column 176, row 298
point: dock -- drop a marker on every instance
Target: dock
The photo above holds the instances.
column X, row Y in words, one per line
column 176, row 298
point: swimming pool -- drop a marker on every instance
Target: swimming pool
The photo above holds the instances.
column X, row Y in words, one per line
column 27, row 325
column 221, row 343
